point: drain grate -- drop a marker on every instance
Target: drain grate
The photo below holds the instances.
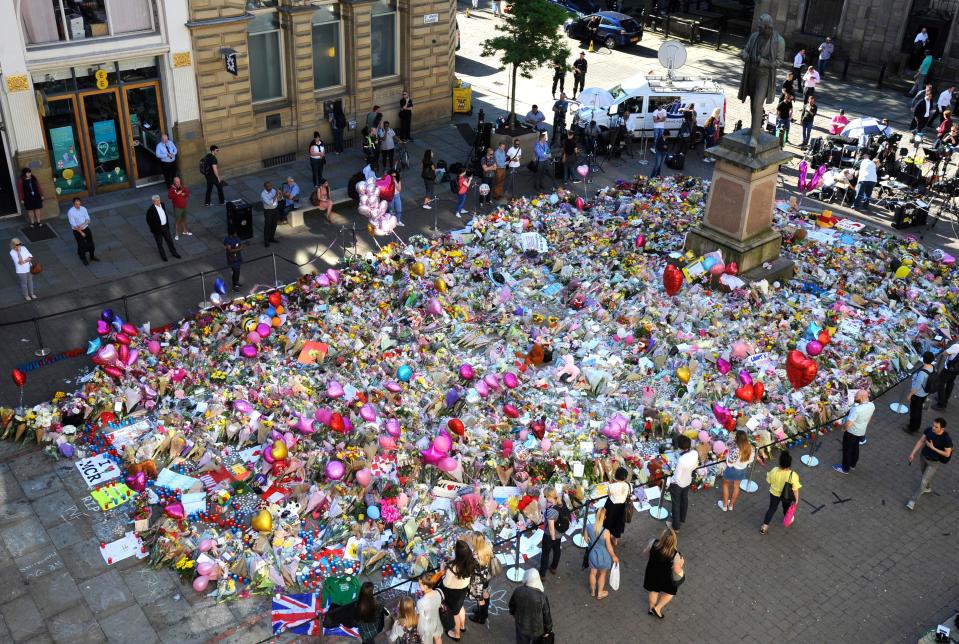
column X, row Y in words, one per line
column 272, row 162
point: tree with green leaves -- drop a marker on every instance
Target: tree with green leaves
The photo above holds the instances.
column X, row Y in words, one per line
column 530, row 38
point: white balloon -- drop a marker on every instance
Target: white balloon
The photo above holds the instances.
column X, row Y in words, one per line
column 484, row 189
column 364, row 210
column 361, row 188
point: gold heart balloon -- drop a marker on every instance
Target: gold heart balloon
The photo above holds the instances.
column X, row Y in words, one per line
column 279, row 451
column 683, row 374
column 440, row 284
column 418, row 269
column 263, row 521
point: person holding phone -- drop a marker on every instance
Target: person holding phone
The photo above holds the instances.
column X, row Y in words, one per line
column 232, row 244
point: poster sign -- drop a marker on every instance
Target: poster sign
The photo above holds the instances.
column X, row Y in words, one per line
column 230, row 60
column 97, row 470
column 105, row 140
column 64, row 147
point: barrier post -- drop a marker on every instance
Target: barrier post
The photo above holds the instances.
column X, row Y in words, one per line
column 749, row 485
column 515, row 574
column 203, row 285
column 276, row 281
column 659, row 512
column 126, row 309
column 643, row 147
column 578, row 539
column 41, row 351
column 810, row 460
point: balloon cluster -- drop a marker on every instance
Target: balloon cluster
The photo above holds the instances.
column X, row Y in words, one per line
column 111, row 349
column 804, row 185
column 259, row 329
column 219, row 290
column 375, row 197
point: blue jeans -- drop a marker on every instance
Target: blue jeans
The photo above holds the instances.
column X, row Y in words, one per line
column 657, row 164
column 863, row 192
column 783, row 126
column 460, row 202
column 821, row 66
column 396, row 205
column 806, row 133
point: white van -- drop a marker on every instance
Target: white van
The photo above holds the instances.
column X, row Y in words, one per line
column 642, row 95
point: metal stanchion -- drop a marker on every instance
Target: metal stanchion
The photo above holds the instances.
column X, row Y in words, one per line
column 659, row 512
column 810, row 460
column 126, row 310
column 276, row 281
column 578, row 539
column 41, row 351
column 203, row 285
column 643, row 149
column 749, row 485
column 515, row 574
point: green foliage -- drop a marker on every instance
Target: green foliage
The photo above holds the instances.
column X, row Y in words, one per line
column 530, row 36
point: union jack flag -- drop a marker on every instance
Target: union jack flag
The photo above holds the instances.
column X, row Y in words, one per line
column 296, row 614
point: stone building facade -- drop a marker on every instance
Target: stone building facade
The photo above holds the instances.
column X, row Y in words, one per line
column 870, row 33
column 290, row 59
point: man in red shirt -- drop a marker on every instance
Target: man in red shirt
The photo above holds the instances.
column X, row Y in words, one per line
column 178, row 195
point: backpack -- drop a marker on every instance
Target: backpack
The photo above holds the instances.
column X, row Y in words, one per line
column 564, row 519
column 205, row 165
column 410, row 636
column 933, row 381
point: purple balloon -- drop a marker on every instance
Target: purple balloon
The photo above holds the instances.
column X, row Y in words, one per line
column 107, row 316
column 452, row 396
column 393, row 427
column 67, row 450
column 335, row 470
column 248, row 351
column 323, row 415
column 745, row 378
column 813, row 348
column 723, row 366
column 242, row 406
column 368, row 412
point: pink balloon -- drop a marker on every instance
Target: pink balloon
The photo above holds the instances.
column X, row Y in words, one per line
column 248, row 351
column 253, row 338
column 289, row 440
column 335, row 470
column 393, row 427
column 492, row 380
column 106, row 355
column 510, row 380
column 640, row 241
column 129, row 329
column 718, row 269
column 739, row 350
column 102, row 327
column 364, row 477
column 123, row 353
column 263, row 329
column 323, row 415
column 466, row 371
column 813, row 348
column 200, row 583
column 113, row 371
column 447, row 464
column 334, row 389
column 703, row 436
column 434, row 307
column 123, row 338
column 323, row 280
column 131, row 357
column 393, row 387
column 582, row 170
column 153, row 347
column 304, row 425
column 545, row 444
column 333, row 275
column 174, row 511
column 723, row 366
column 178, row 375
column 347, row 425
column 267, row 454
column 442, row 443
column 482, row 388
column 368, row 413
column 719, row 447
column 431, row 456
column 388, row 443
column 697, row 424
column 745, row 378
column 137, row 481
column 720, row 412
column 242, row 406
column 205, row 568
column 206, row 545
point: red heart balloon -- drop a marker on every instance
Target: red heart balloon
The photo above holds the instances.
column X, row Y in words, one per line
column 732, row 268
column 455, row 425
column 19, row 378
column 510, row 411
column 799, row 369
column 538, row 428
column 175, row 511
column 337, row 424
column 730, row 424
column 745, row 393
column 759, row 390
column 672, row 280
column 275, row 299
column 137, row 482
column 824, row 338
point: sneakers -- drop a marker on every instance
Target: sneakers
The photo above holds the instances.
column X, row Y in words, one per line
column 458, row 215
column 722, row 506
column 837, row 467
column 427, row 206
column 862, row 441
column 176, row 238
column 401, row 224
column 188, row 234
column 911, row 505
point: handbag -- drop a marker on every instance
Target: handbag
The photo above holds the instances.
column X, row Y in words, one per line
column 790, row 516
column 546, row 638
column 630, row 508
column 614, row 577
column 679, row 578
column 446, row 617
column 35, row 267
column 590, row 549
column 787, row 495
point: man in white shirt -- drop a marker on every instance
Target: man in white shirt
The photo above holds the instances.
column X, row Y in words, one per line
column 867, row 181
column 166, row 152
column 854, row 431
column 513, row 156
column 682, row 479
column 798, row 61
column 159, row 222
column 79, row 220
column 825, row 53
column 659, row 122
column 270, row 198
column 944, row 102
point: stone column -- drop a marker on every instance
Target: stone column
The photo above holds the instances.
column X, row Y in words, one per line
column 739, row 209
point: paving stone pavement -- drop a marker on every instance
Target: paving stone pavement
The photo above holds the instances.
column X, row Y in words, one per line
column 856, row 566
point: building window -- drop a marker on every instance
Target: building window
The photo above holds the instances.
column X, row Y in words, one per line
column 266, row 61
column 383, row 38
column 327, row 53
column 822, row 16
column 50, row 21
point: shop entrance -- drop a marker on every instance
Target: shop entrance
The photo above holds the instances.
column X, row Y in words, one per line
column 104, row 138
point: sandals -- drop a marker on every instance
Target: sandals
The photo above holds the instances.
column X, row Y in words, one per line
column 764, row 530
column 658, row 614
column 602, row 595
column 455, row 639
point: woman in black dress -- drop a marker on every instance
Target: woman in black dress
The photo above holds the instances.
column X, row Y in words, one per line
column 619, row 493
column 31, row 196
column 664, row 571
column 455, row 585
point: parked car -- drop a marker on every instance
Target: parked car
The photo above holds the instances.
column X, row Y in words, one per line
column 642, row 95
column 615, row 29
column 579, row 8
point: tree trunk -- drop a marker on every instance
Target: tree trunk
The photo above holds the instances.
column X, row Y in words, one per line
column 512, row 103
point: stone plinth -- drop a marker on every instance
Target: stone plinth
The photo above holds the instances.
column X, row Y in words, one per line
column 740, row 204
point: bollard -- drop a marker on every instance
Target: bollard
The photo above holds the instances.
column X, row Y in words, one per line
column 515, row 574
column 659, row 512
column 578, row 539
column 749, row 485
column 41, row 351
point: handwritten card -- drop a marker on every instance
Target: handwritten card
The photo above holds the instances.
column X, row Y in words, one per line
column 129, row 546
column 111, row 496
column 97, row 470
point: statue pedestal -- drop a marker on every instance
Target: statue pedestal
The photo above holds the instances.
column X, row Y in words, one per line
column 739, row 208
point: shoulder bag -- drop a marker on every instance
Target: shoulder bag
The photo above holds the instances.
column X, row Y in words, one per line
column 787, row 495
column 678, row 579
column 35, row 267
column 590, row 549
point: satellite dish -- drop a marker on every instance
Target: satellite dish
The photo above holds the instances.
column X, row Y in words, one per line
column 672, row 56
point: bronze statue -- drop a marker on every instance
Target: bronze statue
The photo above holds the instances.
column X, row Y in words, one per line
column 763, row 55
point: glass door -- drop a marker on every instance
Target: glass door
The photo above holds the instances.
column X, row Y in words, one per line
column 145, row 116
column 67, row 158
column 107, row 165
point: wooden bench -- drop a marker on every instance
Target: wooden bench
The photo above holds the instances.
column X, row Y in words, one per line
column 296, row 218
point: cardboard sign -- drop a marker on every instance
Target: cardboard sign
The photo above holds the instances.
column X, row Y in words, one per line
column 129, row 546
column 313, row 352
column 98, row 469
column 111, row 496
